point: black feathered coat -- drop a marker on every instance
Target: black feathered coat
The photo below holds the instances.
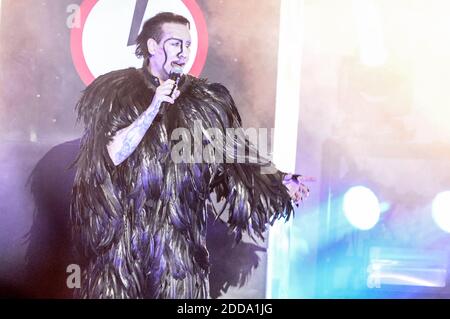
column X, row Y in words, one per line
column 141, row 225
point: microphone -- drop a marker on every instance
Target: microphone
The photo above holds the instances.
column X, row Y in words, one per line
column 175, row 74
column 169, row 118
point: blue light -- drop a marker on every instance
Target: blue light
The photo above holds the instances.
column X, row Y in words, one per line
column 361, row 207
column 441, row 210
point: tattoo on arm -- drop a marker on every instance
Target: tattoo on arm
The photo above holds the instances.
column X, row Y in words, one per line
column 133, row 134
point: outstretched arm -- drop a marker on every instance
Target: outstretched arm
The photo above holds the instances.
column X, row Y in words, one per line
column 255, row 192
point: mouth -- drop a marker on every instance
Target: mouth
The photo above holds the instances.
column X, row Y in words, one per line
column 178, row 64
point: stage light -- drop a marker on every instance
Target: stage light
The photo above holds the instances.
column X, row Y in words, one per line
column 288, row 85
column 372, row 50
column 278, row 258
column 395, row 266
column 361, row 207
column 441, row 210
column 285, row 143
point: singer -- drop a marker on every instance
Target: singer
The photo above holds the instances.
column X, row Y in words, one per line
column 138, row 217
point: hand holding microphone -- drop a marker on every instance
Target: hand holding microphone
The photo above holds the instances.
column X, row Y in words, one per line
column 167, row 92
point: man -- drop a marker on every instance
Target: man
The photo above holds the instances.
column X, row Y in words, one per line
column 138, row 215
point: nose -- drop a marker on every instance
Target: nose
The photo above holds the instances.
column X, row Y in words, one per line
column 184, row 54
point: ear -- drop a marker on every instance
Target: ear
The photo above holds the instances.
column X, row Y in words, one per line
column 152, row 46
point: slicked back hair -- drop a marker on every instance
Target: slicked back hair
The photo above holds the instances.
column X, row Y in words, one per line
column 153, row 29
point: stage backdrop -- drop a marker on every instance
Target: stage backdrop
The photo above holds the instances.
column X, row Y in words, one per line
column 49, row 54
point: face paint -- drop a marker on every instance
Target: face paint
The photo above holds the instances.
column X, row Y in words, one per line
column 180, row 44
column 174, row 48
column 176, row 53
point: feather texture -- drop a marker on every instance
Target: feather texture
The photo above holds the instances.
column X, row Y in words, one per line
column 141, row 225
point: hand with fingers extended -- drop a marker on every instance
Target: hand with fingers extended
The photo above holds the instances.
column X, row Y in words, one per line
column 297, row 190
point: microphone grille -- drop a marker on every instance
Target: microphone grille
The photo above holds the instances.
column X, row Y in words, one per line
column 178, row 70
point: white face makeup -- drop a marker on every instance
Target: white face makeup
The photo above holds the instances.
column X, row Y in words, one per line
column 173, row 50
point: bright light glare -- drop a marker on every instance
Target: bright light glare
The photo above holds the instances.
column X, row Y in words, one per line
column 441, row 210
column 361, row 207
column 370, row 33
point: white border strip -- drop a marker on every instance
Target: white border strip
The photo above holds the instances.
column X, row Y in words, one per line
column 288, row 85
column 286, row 130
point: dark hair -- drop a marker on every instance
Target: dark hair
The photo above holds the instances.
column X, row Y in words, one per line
column 153, row 29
